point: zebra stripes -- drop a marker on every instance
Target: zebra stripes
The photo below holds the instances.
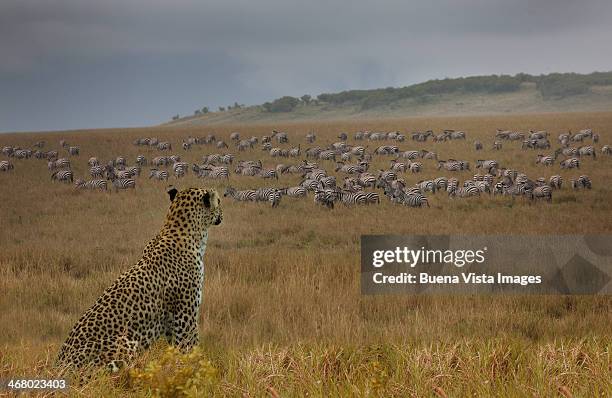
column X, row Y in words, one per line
column 570, row 163
column 542, row 192
column 160, row 175
column 293, row 192
column 124, row 183
column 5, row 165
column 62, row 175
column 91, row 184
column 247, row 195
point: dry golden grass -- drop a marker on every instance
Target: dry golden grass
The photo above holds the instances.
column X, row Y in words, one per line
column 282, row 306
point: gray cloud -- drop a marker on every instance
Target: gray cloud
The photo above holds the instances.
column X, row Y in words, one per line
column 141, row 61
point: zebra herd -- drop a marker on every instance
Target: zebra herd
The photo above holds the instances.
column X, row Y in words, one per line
column 336, row 173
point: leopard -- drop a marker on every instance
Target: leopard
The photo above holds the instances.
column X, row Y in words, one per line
column 159, row 297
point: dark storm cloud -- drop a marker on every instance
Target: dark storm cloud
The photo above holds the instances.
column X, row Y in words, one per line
column 73, row 63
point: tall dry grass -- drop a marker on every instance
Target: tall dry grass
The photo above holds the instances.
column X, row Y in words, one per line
column 282, row 305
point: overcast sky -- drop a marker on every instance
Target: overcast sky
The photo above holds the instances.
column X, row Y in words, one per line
column 67, row 64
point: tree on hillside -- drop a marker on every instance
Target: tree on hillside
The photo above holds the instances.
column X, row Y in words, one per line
column 176, row 117
column 221, row 109
column 306, row 98
column 205, row 109
column 283, row 104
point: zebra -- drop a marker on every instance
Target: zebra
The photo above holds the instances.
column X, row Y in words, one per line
column 426, row 186
column 141, row 160
column 8, row 150
column 158, row 174
column 235, row 136
column 543, row 191
column 73, row 151
column 497, row 145
column 555, row 182
column 351, row 168
column 570, row 163
column 97, row 171
column 214, row 172
column 164, row 146
column 247, row 195
column 399, row 166
column 441, row 183
column 5, row 165
column 410, row 155
column 606, row 150
column 582, row 182
column 281, row 137
column 243, row 145
column 91, row 184
column 587, row 150
column 328, row 181
column 428, row 154
column 186, row 146
column 21, row 153
column 311, row 185
column 464, row 192
column 268, row 173
column 124, row 183
column 372, row 197
column 271, row 195
column 325, row 197
column 62, row 175
column 416, row 167
column 477, row 145
column 449, row 165
column 343, row 136
column 293, row 192
column 328, row 154
column 352, row 198
column 412, row 199
column 93, row 162
column 160, row 161
column 487, row 164
column 366, row 180
column 294, row 152
column 545, row 160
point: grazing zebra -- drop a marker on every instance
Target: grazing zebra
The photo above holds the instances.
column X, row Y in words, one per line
column 311, row 185
column 411, row 155
column 555, row 182
column 62, row 175
column 441, row 183
column 247, row 195
column 160, row 175
column 328, row 181
column 268, row 173
column 587, row 150
column 545, row 160
column 449, row 165
column 570, row 163
column 93, row 162
column 228, row 158
column 293, row 192
column 540, row 192
column 294, row 152
column 97, row 171
column 5, row 165
column 412, row 198
column 464, row 192
column 73, row 151
column 21, row 153
column 164, row 146
column 214, row 172
column 426, row 186
column 180, row 169
column 497, row 145
column 221, row 144
column 351, row 198
column 416, row 167
column 478, row 145
column 582, row 182
column 160, row 161
column 91, row 184
column 186, row 146
column 235, row 136
column 428, row 155
column 352, row 168
column 325, row 197
column 141, row 160
column 487, row 164
column 372, row 197
column 124, row 183
column 243, row 145
column 606, row 150
column 399, row 166
column 328, row 154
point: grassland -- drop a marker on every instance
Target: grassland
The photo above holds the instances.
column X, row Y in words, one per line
column 282, row 313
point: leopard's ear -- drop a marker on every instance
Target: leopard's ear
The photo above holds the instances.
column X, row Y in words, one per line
column 211, row 199
column 172, row 193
